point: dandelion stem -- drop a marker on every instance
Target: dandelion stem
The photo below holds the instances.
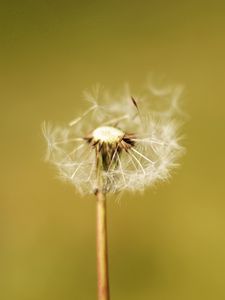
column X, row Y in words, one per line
column 102, row 251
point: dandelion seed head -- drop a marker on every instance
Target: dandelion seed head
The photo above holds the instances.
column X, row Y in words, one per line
column 119, row 143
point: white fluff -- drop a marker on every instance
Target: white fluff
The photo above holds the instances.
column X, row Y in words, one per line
column 155, row 134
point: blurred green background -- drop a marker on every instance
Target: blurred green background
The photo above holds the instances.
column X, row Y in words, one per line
column 168, row 243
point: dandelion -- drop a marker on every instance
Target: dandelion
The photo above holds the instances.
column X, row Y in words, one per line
column 119, row 143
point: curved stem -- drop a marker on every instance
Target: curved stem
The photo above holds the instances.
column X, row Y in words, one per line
column 102, row 251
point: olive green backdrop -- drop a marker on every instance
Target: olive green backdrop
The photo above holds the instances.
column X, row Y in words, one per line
column 167, row 243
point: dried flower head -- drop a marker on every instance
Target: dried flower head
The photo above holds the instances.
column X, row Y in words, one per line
column 118, row 143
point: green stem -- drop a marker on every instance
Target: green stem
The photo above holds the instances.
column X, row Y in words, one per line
column 102, row 251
